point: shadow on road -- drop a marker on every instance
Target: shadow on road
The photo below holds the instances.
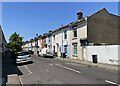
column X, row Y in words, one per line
column 26, row 63
column 8, row 66
column 51, row 57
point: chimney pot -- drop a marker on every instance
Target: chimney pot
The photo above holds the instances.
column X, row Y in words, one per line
column 79, row 15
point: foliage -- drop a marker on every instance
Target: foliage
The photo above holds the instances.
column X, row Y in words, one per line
column 15, row 42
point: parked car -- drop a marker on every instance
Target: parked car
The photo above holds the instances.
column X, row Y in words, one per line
column 31, row 52
column 45, row 52
column 23, row 57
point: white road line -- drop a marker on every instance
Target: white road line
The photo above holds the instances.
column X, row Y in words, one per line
column 20, row 80
column 110, row 82
column 28, row 69
column 68, row 68
column 51, row 64
column 47, row 70
column 74, row 64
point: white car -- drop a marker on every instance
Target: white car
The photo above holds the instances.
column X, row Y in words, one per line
column 23, row 57
column 45, row 52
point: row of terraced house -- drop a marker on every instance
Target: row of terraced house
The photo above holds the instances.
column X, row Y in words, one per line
column 88, row 37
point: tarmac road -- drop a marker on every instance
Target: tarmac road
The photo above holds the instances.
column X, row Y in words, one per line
column 55, row 71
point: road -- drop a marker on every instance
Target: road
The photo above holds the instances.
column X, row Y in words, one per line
column 55, row 71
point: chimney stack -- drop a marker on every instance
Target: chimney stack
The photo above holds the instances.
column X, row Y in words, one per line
column 79, row 15
column 50, row 31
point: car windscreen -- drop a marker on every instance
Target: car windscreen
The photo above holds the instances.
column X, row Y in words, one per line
column 22, row 54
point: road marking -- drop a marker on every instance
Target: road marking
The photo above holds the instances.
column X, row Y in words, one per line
column 47, row 70
column 20, row 80
column 68, row 68
column 74, row 64
column 28, row 69
column 51, row 64
column 110, row 82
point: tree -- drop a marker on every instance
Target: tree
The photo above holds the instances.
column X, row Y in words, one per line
column 15, row 42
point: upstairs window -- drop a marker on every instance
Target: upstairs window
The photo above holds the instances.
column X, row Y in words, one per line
column 53, row 37
column 65, row 35
column 74, row 31
column 49, row 39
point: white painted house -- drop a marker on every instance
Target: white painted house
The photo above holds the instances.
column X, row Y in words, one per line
column 61, row 41
column 39, row 43
column 49, row 41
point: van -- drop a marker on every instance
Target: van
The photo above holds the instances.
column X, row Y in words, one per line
column 46, row 52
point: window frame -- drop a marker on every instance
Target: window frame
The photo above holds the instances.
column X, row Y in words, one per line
column 65, row 34
column 75, row 49
column 65, row 49
column 75, row 30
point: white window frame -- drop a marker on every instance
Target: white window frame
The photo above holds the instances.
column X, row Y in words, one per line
column 75, row 49
column 74, row 29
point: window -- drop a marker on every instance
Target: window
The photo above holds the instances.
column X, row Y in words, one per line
column 65, row 35
column 53, row 37
column 75, row 32
column 49, row 46
column 75, row 48
column 60, row 49
column 49, row 39
column 65, row 48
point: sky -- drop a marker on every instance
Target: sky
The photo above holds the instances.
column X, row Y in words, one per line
column 31, row 18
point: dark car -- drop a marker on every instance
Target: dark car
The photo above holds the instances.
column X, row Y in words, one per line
column 31, row 52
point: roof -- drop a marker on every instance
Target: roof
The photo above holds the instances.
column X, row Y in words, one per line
column 73, row 23
column 70, row 24
column 103, row 9
column 3, row 37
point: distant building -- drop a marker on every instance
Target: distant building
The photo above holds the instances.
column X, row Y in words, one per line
column 39, row 42
column 49, row 41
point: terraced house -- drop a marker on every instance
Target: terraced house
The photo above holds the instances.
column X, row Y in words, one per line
column 61, row 41
column 74, row 39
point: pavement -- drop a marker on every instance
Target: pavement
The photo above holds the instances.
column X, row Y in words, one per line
column 13, row 79
column 108, row 67
column 10, row 72
column 56, row 71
